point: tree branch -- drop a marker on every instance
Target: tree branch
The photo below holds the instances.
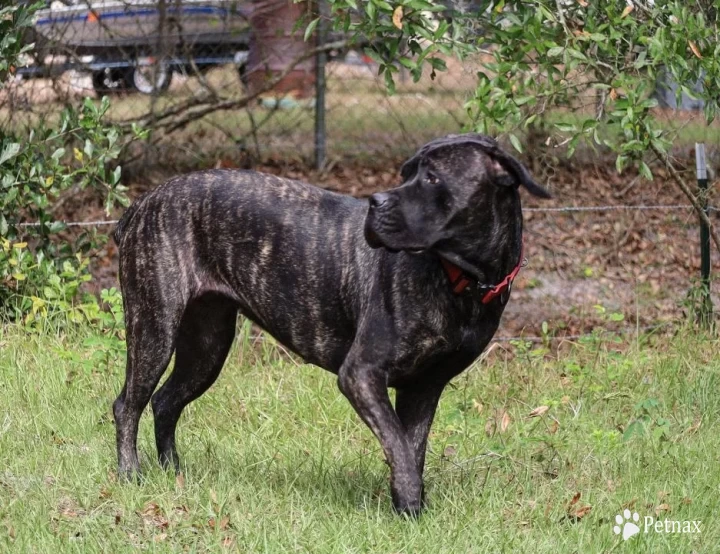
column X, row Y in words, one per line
column 207, row 103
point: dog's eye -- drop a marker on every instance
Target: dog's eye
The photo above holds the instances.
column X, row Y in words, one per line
column 433, row 179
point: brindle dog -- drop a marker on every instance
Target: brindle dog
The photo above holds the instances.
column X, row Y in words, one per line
column 394, row 292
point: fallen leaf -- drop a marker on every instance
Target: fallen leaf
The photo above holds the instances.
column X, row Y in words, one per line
column 627, row 11
column 449, row 451
column 574, row 499
column 686, row 501
column 613, row 94
column 224, row 522
column 478, row 406
column 583, row 3
column 228, row 542
column 694, row 427
column 695, row 49
column 152, row 516
column 582, row 512
column 554, row 426
column 160, row 537
column 537, row 412
column 151, row 509
column 180, row 481
column 662, row 508
column 504, row 422
column 397, row 17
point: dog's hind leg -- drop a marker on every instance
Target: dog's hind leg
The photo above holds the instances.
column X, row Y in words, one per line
column 203, row 342
column 150, row 336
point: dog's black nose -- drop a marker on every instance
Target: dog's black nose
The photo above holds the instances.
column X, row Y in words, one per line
column 378, row 199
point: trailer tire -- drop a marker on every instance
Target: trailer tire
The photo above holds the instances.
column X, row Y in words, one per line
column 110, row 81
column 151, row 79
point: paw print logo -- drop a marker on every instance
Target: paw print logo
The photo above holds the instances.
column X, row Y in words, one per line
column 627, row 524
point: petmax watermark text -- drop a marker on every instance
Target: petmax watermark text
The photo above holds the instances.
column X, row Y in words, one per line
column 628, row 524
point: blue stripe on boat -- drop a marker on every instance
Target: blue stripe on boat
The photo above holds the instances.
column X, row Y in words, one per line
column 116, row 15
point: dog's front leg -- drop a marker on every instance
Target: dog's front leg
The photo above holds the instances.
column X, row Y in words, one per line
column 415, row 406
column 365, row 387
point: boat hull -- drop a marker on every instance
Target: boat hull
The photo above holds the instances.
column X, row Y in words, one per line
column 122, row 29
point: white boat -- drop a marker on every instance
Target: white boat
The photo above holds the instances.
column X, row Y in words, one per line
column 137, row 44
column 140, row 27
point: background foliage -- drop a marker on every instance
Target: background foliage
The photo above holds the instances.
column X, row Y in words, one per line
column 598, row 59
column 41, row 265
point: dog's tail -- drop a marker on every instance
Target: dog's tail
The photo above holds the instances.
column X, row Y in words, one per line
column 125, row 219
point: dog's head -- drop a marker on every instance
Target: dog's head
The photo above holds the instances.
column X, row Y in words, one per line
column 449, row 187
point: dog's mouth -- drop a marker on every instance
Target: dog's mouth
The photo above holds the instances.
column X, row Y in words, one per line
column 374, row 241
column 372, row 238
column 386, row 232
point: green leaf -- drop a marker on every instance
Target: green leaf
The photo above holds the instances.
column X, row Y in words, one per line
column 515, row 142
column 311, row 28
column 10, row 151
column 566, row 127
column 636, row 428
column 373, row 55
column 645, row 171
column 556, row 51
column 620, row 163
column 438, row 64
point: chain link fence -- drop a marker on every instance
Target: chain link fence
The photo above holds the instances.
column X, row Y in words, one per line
column 192, row 72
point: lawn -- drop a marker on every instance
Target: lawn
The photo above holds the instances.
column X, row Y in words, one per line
column 276, row 461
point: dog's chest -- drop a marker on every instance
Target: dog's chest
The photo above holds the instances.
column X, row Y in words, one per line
column 427, row 354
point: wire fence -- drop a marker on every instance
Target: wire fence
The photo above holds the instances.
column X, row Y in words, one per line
column 218, row 86
column 579, row 274
column 558, row 209
column 231, row 81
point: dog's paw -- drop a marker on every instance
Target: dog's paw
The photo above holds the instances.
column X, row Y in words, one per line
column 408, row 508
column 130, row 476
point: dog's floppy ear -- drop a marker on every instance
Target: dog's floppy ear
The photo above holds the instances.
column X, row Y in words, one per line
column 410, row 167
column 519, row 173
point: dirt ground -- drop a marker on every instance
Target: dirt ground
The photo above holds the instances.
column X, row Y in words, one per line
column 582, row 266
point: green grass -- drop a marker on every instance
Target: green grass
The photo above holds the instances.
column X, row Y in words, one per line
column 276, row 461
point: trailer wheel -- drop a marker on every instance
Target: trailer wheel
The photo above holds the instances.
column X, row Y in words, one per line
column 110, row 81
column 151, row 79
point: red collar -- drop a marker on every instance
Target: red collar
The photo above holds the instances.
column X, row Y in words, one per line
column 460, row 281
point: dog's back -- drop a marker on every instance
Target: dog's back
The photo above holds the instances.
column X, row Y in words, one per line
column 265, row 242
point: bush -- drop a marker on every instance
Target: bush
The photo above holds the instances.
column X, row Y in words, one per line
column 41, row 269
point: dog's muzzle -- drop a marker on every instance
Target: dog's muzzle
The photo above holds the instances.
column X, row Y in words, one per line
column 378, row 201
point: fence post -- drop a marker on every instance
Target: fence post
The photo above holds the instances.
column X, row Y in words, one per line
column 706, row 308
column 320, row 135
